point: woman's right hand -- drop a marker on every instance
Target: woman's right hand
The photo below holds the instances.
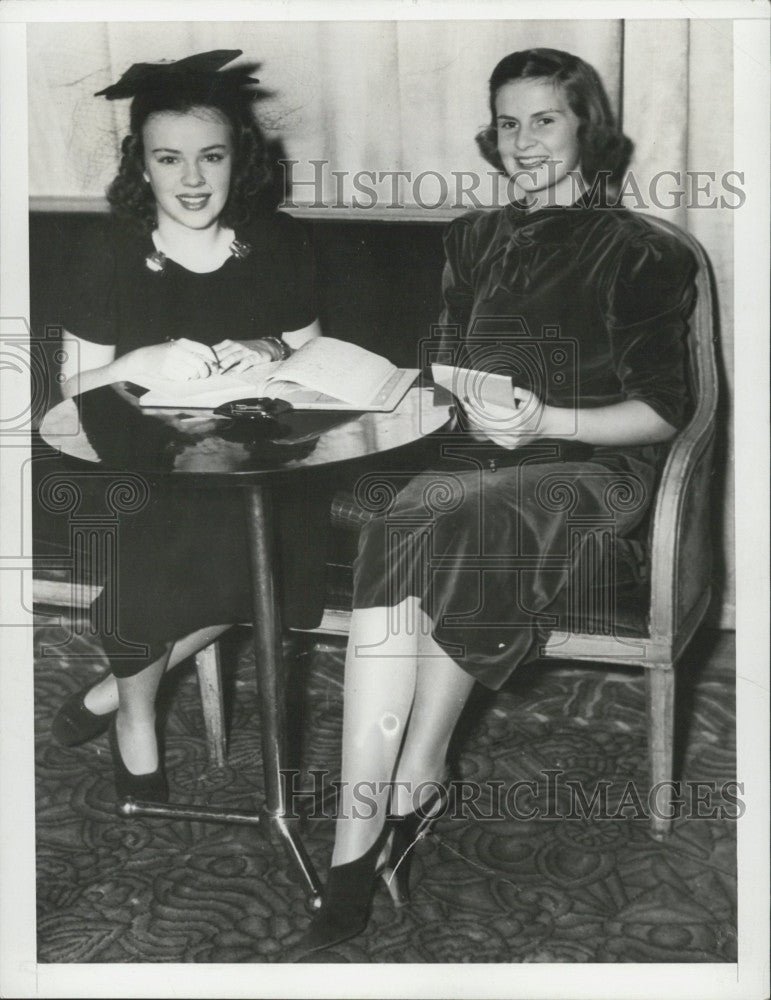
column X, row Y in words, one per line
column 507, row 426
column 181, row 360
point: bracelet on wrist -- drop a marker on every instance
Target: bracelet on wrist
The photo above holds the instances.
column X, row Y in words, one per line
column 282, row 349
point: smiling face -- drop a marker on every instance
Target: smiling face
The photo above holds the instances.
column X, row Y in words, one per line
column 538, row 140
column 188, row 162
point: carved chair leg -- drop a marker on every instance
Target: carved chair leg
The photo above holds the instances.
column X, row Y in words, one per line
column 660, row 694
column 207, row 665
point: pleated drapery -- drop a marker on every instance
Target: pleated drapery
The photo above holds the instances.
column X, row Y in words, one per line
column 678, row 107
column 361, row 96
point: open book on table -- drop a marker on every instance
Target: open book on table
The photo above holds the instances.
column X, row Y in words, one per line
column 323, row 374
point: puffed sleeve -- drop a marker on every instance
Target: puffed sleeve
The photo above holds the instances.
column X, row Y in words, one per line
column 457, row 288
column 650, row 301
column 295, row 273
column 88, row 309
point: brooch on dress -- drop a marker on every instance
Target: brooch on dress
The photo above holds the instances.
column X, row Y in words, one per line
column 240, row 249
column 156, row 261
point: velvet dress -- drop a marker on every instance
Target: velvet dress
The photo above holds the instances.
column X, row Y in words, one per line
column 182, row 560
column 584, row 306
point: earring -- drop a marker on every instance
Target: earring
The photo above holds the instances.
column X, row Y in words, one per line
column 145, row 177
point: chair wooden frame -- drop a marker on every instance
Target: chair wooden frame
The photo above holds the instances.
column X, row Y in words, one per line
column 679, row 551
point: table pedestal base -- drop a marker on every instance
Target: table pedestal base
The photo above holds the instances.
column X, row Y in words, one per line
column 272, row 707
column 286, row 830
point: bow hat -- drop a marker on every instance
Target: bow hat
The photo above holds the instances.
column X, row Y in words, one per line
column 143, row 78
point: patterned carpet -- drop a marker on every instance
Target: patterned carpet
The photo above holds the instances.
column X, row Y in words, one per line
column 486, row 890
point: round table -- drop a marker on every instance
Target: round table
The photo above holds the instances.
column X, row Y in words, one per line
column 109, row 426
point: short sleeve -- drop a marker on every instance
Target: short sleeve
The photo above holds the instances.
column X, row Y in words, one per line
column 88, row 308
column 651, row 299
column 457, row 286
column 294, row 272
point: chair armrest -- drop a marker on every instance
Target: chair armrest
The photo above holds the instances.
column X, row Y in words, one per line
column 680, row 544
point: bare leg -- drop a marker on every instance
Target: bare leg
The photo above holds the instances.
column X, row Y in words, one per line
column 380, row 675
column 402, row 699
column 441, row 692
column 380, row 671
column 103, row 697
column 135, row 721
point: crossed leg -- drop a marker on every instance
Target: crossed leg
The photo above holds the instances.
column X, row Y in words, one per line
column 134, row 699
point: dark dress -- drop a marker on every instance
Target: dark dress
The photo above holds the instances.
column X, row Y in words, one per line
column 585, row 306
column 181, row 560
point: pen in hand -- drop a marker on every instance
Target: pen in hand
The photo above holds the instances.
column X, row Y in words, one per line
column 237, row 358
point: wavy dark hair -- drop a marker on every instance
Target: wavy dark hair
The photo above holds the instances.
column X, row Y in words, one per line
column 129, row 194
column 605, row 150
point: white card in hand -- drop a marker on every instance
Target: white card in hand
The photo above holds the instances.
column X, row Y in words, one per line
column 479, row 390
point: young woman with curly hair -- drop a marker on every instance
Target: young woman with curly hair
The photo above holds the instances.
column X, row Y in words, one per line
column 604, row 149
column 582, row 305
column 132, row 197
column 194, row 273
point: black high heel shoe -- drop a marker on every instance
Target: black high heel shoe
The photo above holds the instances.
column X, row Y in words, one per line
column 347, row 900
column 150, row 787
column 75, row 724
column 408, row 831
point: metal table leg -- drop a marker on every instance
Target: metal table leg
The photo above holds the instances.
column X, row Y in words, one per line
column 272, row 706
column 270, row 682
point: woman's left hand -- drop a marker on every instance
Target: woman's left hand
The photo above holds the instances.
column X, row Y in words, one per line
column 236, row 358
column 508, row 426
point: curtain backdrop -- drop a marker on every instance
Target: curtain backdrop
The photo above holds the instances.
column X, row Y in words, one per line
column 391, row 96
column 361, row 96
column 678, row 108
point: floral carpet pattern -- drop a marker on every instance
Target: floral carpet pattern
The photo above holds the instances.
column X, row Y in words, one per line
column 540, row 881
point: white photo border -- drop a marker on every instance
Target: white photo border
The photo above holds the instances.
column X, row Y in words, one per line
column 20, row 975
